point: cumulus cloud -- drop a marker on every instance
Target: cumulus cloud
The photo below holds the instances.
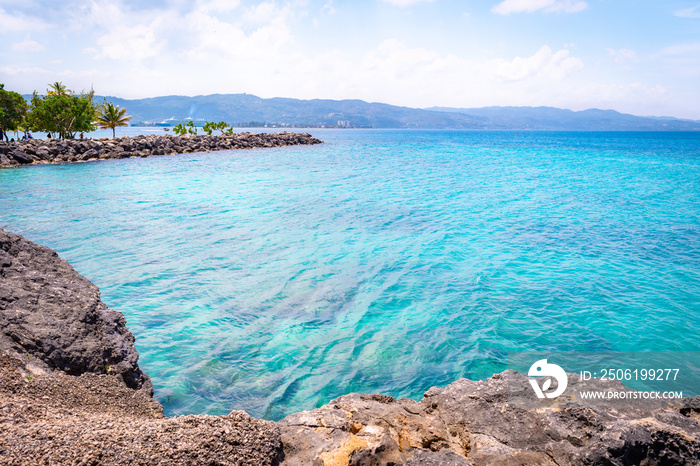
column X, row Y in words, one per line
column 403, row 3
column 129, row 42
column 201, row 33
column 507, row 7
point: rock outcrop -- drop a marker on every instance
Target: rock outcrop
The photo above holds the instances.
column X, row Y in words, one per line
column 53, row 318
column 474, row 423
column 16, row 153
column 95, row 419
column 71, row 392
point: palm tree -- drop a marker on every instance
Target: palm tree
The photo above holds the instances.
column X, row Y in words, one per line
column 111, row 117
column 57, row 89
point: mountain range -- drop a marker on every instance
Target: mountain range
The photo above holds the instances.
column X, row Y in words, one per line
column 250, row 110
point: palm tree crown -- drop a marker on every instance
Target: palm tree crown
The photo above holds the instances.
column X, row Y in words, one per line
column 57, row 88
column 111, row 117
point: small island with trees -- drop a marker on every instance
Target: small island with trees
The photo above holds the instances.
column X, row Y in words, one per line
column 64, row 115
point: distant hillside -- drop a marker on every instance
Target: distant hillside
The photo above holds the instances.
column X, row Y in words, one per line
column 246, row 109
column 549, row 118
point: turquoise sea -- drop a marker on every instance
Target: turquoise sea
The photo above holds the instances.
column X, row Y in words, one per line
column 381, row 261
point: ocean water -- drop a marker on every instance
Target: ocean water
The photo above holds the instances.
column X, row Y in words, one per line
column 384, row 261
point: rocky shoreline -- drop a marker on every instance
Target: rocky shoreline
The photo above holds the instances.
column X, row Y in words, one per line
column 71, row 392
column 36, row 151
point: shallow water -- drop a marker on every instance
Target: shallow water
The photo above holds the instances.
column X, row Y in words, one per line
column 382, row 261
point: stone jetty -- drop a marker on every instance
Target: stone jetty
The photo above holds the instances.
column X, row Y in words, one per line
column 36, row 151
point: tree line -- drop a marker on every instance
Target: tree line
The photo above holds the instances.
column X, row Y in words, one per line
column 61, row 113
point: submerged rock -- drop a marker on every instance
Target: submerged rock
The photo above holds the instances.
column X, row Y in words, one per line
column 15, row 153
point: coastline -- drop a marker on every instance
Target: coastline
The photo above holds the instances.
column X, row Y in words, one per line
column 71, row 390
column 43, row 151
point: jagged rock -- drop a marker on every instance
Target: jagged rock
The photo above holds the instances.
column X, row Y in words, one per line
column 474, row 422
column 54, row 150
column 53, row 318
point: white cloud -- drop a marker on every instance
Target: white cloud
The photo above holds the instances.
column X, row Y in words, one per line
column 15, row 23
column 689, row 48
column 44, row 75
column 262, row 12
column 201, row 34
column 27, row 45
column 507, row 7
column 680, row 61
column 329, row 8
column 693, row 12
column 622, row 55
column 544, row 63
column 403, row 3
column 22, row 70
column 129, row 42
column 421, row 77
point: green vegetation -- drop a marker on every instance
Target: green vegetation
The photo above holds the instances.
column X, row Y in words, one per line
column 57, row 89
column 222, row 126
column 190, row 128
column 62, row 112
column 180, row 129
column 111, row 117
column 209, row 127
column 13, row 110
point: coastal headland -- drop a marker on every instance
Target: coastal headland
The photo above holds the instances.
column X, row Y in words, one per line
column 36, row 151
column 71, row 392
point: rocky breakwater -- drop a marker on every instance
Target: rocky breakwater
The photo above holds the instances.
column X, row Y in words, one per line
column 16, row 153
column 71, row 392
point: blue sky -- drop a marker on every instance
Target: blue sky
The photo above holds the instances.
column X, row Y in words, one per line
column 635, row 56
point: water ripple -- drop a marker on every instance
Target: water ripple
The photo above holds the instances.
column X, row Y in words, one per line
column 382, row 261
